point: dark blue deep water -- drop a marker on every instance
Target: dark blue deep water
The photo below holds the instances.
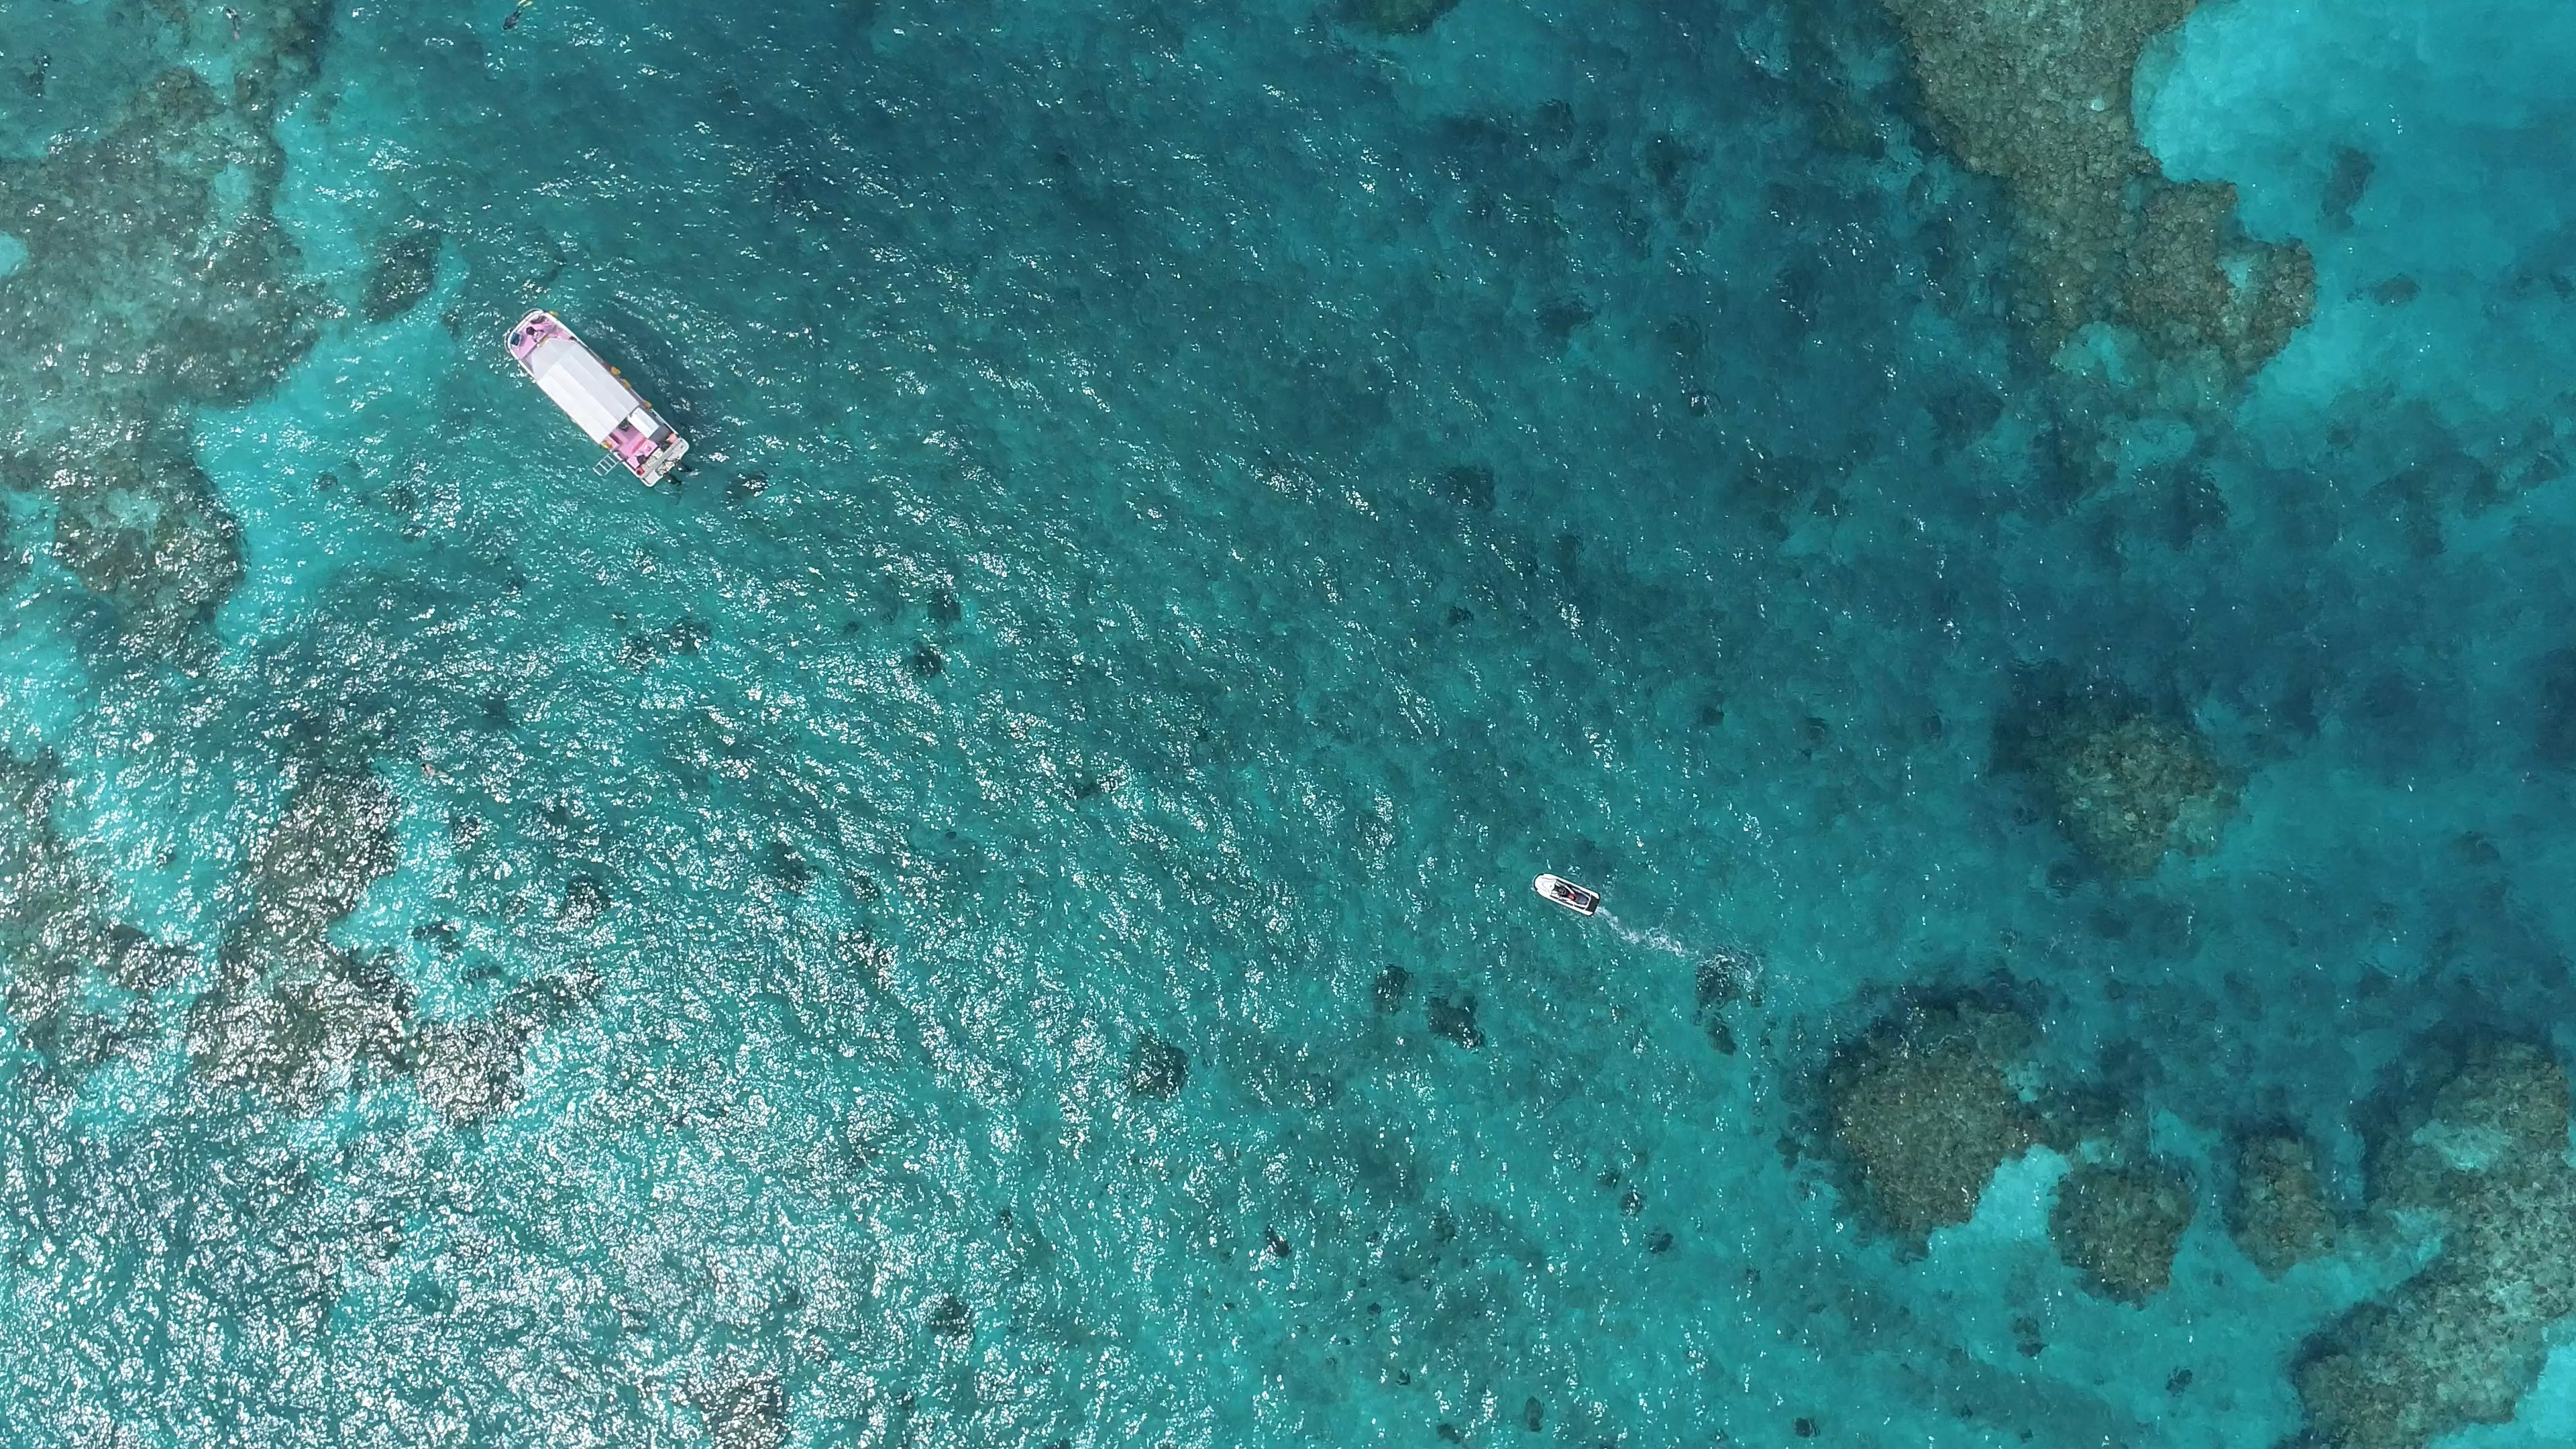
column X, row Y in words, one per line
column 995, row 910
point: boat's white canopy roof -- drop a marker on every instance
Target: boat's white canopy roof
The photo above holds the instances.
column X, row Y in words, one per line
column 582, row 386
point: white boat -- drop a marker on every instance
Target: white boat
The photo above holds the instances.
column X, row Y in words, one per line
column 595, row 396
column 1569, row 895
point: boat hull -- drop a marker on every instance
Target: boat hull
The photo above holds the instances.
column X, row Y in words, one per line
column 1567, row 894
column 596, row 397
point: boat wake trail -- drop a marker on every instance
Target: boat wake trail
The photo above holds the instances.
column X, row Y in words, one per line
column 1727, row 973
column 1653, row 938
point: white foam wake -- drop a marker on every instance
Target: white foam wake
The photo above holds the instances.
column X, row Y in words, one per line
column 1653, row 938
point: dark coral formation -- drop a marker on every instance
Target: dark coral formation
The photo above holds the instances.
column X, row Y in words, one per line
column 293, row 1012
column 57, row 944
column 2479, row 1146
column 1397, row 17
column 472, row 1070
column 1924, row 1109
column 2279, row 1215
column 2038, row 96
column 2125, row 784
column 402, row 272
column 747, row 1411
column 149, row 284
column 2121, row 1226
column 1156, row 1069
column 2181, row 289
column 147, row 534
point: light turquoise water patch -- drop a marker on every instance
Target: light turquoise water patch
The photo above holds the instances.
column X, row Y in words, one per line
column 995, row 910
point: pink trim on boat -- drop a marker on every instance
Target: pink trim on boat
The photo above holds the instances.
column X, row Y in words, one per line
column 525, row 340
column 631, row 446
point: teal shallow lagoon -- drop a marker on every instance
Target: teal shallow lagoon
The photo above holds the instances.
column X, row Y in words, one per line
column 997, row 911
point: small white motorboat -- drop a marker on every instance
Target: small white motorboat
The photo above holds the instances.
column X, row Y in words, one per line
column 1569, row 895
column 594, row 395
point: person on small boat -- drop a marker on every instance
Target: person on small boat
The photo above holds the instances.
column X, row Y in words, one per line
column 1565, row 891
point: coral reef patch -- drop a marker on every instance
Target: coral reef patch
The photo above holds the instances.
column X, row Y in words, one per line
column 2126, row 784
column 2038, row 96
column 2121, row 1226
column 58, row 945
column 292, row 1010
column 151, row 278
column 294, row 1014
column 1397, row 17
column 2279, row 1214
column 145, row 532
column 2476, row 1144
column 1924, row 1108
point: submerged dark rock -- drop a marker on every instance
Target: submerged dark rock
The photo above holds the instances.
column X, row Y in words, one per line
column 2127, row 784
column 293, row 1010
column 404, row 270
column 153, row 279
column 2475, row 1142
column 1397, row 17
column 468, row 1071
column 55, row 933
column 1156, row 1069
column 1924, row 1109
column 1388, row 991
column 2038, row 96
column 1456, row 1021
column 2121, row 1226
column 143, row 530
column 2279, row 1216
column 473, row 1070
column 334, row 840
column 744, row 1411
column 286, row 1040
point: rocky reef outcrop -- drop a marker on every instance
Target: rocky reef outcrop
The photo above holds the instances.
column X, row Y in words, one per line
column 2036, row 93
column 2120, row 1226
column 472, row 1070
column 65, row 960
column 1924, row 1107
column 153, row 279
column 2127, row 785
column 1397, row 17
column 2192, row 283
column 144, row 531
column 293, row 1012
column 2279, row 1214
column 402, row 271
column 2475, row 1148
column 291, row 1009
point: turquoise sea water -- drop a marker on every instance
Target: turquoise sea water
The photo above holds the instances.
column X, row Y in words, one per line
column 997, row 912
